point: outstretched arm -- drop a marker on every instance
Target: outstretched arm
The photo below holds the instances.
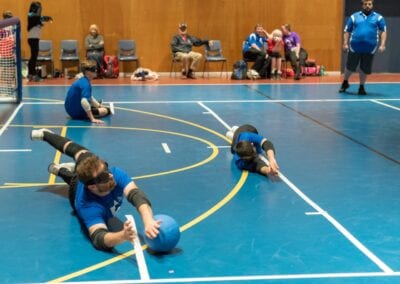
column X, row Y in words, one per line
column 138, row 199
column 102, row 239
column 270, row 152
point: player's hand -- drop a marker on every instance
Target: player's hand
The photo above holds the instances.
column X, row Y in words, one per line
column 97, row 121
column 382, row 48
column 151, row 228
column 129, row 233
column 345, row 47
column 274, row 167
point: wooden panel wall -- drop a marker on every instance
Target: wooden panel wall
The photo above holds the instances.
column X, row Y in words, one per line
column 153, row 23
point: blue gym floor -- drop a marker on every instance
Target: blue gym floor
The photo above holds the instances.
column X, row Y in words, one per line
column 333, row 216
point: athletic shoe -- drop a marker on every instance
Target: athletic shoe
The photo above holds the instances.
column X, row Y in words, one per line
column 38, row 134
column 190, row 74
column 112, row 110
column 229, row 135
column 345, row 85
column 54, row 168
column 361, row 90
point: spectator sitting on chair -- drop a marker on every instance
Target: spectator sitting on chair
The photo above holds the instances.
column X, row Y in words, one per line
column 79, row 103
column 35, row 23
column 181, row 46
column 254, row 50
column 94, row 44
column 294, row 52
column 363, row 31
column 275, row 50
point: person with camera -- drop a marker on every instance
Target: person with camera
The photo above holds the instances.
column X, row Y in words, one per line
column 181, row 46
column 35, row 24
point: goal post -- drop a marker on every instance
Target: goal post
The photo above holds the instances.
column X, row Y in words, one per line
column 10, row 60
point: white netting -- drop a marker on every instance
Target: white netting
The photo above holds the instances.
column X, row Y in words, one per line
column 8, row 62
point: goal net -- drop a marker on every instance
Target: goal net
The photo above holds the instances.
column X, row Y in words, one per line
column 10, row 61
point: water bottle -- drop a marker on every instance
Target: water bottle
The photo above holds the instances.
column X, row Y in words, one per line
column 322, row 71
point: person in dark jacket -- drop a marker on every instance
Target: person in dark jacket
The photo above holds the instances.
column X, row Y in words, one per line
column 35, row 24
column 181, row 46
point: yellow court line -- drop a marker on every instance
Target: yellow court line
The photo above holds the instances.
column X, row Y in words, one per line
column 183, row 228
column 198, row 219
column 57, row 157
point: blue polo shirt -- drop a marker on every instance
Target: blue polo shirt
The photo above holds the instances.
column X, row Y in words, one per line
column 254, row 38
column 93, row 209
column 365, row 31
column 255, row 139
column 81, row 88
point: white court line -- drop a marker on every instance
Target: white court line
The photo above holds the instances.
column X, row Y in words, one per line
column 386, row 105
column 15, row 150
column 166, row 148
column 144, row 273
column 215, row 115
column 250, row 278
column 10, row 119
column 318, row 209
column 227, row 101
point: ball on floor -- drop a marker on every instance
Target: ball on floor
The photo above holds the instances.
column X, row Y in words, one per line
column 168, row 237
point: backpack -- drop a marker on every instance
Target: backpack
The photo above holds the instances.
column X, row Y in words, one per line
column 239, row 70
column 311, row 70
column 111, row 69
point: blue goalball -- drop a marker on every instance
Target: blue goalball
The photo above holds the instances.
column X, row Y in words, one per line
column 168, row 237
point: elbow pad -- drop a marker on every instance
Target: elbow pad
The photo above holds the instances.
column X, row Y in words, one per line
column 98, row 239
column 137, row 197
column 85, row 104
column 268, row 146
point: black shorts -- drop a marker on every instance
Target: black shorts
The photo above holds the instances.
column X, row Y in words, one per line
column 364, row 59
column 274, row 54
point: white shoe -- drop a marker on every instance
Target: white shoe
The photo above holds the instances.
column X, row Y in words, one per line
column 55, row 168
column 38, row 134
column 112, row 110
column 229, row 135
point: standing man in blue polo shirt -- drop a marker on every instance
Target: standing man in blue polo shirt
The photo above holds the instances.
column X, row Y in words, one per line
column 364, row 33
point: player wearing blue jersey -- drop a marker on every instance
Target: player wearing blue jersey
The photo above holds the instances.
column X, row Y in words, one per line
column 96, row 192
column 79, row 103
column 247, row 147
column 364, row 33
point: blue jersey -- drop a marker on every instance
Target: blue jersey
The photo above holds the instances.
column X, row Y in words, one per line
column 255, row 38
column 365, row 31
column 93, row 209
column 254, row 138
column 81, row 88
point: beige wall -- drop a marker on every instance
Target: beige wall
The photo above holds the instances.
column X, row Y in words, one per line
column 153, row 23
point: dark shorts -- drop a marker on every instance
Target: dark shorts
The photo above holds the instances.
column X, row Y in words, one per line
column 275, row 54
column 364, row 59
